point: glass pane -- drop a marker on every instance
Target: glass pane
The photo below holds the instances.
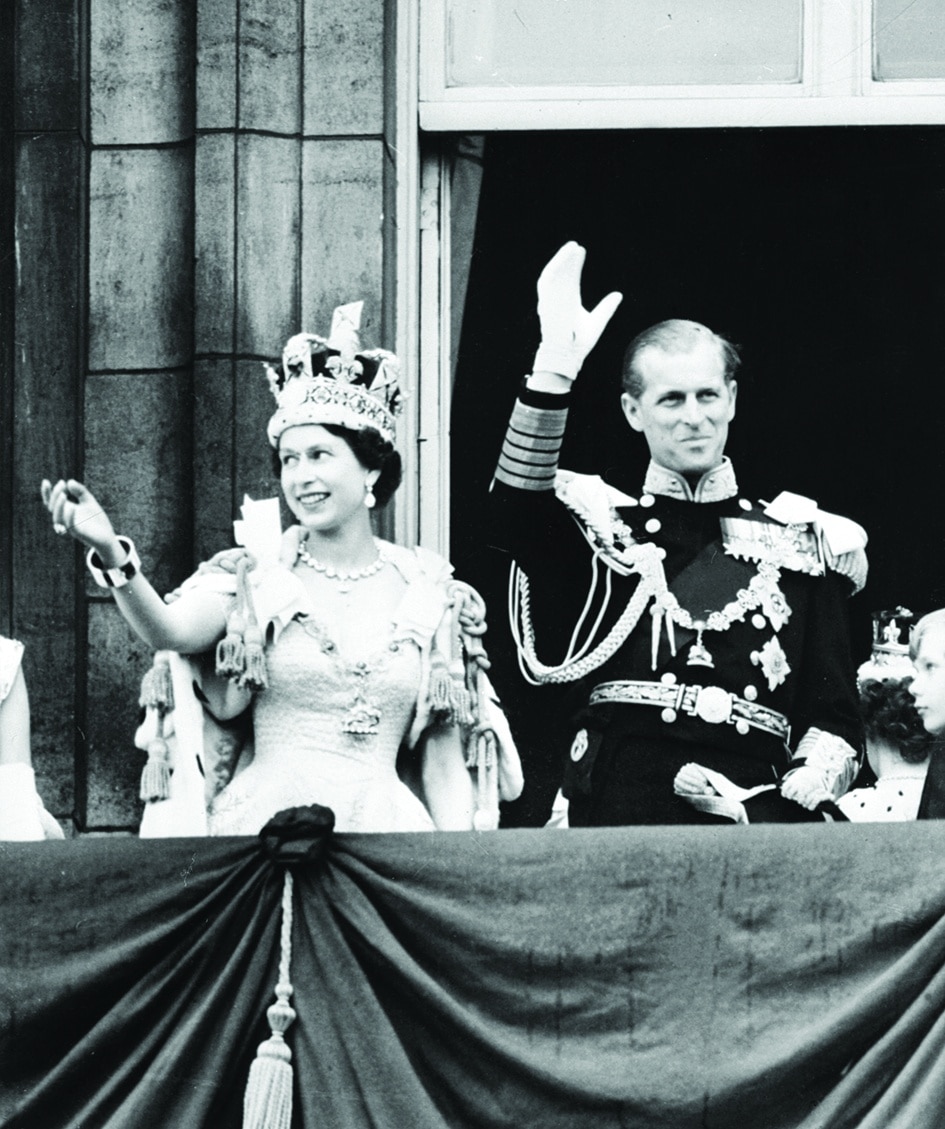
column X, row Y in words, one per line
column 623, row 42
column 908, row 39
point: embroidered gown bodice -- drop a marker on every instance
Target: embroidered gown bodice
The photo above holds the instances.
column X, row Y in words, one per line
column 328, row 730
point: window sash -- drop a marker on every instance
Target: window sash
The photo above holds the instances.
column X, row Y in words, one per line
column 837, row 87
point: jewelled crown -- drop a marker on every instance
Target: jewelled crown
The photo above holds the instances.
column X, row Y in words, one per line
column 889, row 658
column 330, row 380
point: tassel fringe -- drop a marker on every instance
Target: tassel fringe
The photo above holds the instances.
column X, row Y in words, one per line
column 255, row 674
column 241, row 654
column 231, row 650
column 157, row 689
column 482, row 754
column 156, row 774
column 267, row 1103
column 441, row 685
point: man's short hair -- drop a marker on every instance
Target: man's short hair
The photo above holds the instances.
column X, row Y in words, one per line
column 933, row 619
column 674, row 336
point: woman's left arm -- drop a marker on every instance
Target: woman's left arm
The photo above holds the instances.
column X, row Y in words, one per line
column 447, row 784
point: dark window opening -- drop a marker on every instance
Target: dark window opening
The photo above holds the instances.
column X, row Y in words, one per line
column 819, row 251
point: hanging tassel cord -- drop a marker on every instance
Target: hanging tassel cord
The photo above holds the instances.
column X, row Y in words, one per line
column 157, row 697
column 241, row 653
column 482, row 744
column 652, row 584
column 157, row 687
column 255, row 675
column 451, row 692
column 156, row 774
column 482, row 753
column 267, row 1103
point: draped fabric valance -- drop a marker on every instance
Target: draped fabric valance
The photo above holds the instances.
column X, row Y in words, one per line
column 770, row 976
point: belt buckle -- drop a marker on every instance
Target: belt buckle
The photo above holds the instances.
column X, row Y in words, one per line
column 713, row 705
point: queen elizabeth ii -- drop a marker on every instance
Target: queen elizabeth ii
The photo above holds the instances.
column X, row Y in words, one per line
column 359, row 661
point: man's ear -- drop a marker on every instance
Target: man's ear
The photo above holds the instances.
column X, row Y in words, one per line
column 733, row 389
column 631, row 409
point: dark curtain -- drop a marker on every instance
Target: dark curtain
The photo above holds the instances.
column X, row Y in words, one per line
column 696, row 977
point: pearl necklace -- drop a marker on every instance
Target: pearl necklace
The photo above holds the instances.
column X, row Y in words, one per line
column 345, row 579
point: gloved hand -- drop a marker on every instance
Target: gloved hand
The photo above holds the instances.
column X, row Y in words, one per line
column 691, row 780
column 568, row 331
column 828, row 768
column 806, row 785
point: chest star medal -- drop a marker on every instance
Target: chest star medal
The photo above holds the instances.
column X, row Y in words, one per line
column 773, row 662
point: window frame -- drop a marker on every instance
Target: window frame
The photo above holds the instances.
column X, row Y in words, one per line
column 836, row 88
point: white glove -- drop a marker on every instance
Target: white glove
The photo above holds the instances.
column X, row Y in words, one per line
column 831, row 765
column 568, row 331
column 806, row 785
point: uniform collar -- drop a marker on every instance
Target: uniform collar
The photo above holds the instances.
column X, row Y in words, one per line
column 715, row 485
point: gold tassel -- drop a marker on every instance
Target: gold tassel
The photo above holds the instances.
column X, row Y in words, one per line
column 483, row 756
column 156, row 774
column 157, row 689
column 252, row 673
column 461, row 701
column 231, row 650
column 255, row 676
column 267, row 1103
column 481, row 750
column 441, row 685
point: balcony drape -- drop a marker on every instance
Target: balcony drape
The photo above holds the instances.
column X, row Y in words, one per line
column 769, row 976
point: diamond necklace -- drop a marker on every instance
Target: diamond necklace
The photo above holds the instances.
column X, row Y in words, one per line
column 345, row 579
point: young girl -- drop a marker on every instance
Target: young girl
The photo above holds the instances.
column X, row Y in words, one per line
column 897, row 748
column 22, row 815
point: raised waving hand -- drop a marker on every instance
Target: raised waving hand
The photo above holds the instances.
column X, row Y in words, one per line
column 568, row 331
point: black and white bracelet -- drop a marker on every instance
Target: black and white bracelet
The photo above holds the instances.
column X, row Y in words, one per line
column 114, row 577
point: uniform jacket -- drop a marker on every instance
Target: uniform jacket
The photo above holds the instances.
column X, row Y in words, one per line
column 716, row 593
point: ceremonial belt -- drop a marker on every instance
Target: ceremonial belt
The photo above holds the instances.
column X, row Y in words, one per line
column 711, row 704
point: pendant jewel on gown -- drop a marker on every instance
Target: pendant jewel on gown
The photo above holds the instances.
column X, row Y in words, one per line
column 363, row 716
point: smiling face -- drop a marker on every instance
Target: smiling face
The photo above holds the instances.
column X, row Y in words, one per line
column 684, row 408
column 928, row 685
column 323, row 482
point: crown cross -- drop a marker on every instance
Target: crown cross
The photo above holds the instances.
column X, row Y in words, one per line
column 328, row 380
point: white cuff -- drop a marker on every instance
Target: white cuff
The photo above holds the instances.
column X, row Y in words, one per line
column 835, row 759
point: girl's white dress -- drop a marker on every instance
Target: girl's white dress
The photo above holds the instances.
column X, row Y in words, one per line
column 892, row 799
column 24, row 793
column 11, row 652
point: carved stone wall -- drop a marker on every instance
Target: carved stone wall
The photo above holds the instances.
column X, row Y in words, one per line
column 191, row 184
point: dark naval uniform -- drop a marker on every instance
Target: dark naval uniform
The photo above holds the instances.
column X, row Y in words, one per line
column 701, row 628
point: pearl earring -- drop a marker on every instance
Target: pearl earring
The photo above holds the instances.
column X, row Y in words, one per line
column 369, row 500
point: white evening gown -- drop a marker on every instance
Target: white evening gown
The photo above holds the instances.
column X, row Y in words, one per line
column 328, row 730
